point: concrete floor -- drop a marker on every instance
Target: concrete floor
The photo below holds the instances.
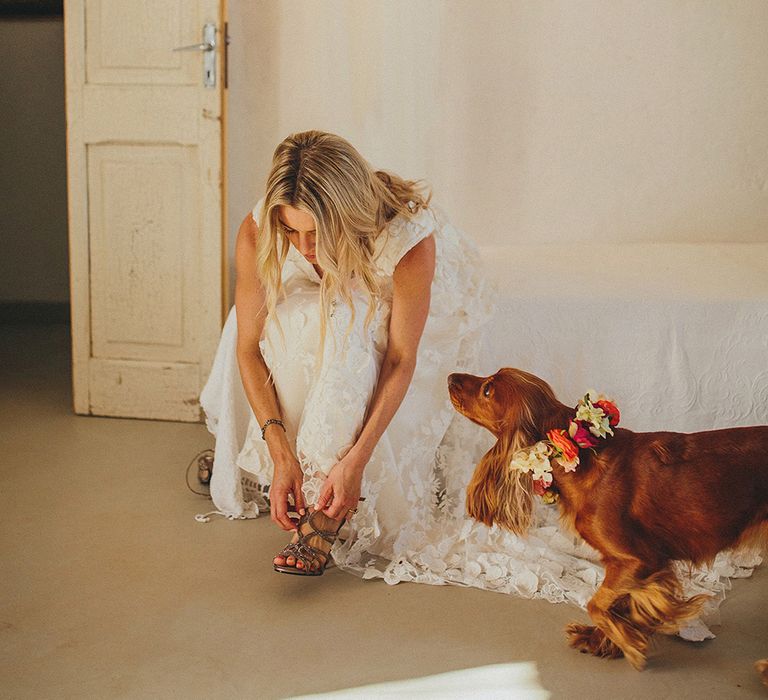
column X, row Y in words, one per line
column 111, row 589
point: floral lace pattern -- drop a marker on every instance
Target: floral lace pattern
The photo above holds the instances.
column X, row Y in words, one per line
column 412, row 524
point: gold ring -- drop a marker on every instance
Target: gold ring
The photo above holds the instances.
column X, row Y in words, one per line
column 352, row 511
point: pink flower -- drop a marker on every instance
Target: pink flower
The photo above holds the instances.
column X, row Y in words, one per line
column 539, row 487
column 579, row 432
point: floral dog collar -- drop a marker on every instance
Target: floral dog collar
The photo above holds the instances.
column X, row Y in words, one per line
column 596, row 416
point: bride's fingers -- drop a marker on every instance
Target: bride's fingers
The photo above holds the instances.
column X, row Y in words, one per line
column 281, row 515
column 337, row 509
column 298, row 499
column 325, row 497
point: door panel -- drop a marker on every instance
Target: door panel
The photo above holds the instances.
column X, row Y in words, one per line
column 131, row 42
column 133, row 389
column 145, row 231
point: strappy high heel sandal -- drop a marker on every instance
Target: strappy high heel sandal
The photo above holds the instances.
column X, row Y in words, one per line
column 304, row 552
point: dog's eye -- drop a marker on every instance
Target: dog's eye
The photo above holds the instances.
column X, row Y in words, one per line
column 487, row 390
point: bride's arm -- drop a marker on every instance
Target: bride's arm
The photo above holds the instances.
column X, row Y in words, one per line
column 251, row 316
column 412, row 282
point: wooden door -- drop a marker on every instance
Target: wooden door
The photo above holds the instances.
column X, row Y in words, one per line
column 146, row 204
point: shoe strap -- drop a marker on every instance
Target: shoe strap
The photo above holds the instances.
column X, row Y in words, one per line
column 305, row 553
column 328, row 535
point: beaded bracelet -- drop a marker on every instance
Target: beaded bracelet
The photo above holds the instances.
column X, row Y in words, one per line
column 276, row 421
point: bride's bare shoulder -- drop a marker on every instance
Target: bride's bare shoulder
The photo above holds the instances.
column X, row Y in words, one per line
column 245, row 248
column 247, row 234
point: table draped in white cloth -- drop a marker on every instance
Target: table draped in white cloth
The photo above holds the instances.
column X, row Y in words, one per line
column 677, row 334
column 412, row 525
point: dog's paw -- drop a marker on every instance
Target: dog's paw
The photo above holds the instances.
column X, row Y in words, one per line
column 579, row 636
column 762, row 670
column 591, row 640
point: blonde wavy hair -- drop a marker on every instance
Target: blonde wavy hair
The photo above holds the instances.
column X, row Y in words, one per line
column 324, row 175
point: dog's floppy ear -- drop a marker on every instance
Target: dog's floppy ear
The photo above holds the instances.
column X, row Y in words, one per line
column 499, row 494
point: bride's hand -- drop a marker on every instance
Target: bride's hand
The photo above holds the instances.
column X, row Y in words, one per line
column 341, row 489
column 286, row 480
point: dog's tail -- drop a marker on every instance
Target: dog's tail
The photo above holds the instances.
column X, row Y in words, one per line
column 762, row 670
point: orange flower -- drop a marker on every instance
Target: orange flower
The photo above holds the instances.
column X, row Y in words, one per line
column 610, row 410
column 567, row 452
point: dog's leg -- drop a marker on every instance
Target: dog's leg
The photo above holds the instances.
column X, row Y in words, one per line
column 628, row 610
column 612, row 636
column 656, row 603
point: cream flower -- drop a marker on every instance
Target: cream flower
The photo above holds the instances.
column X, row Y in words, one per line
column 533, row 459
column 568, row 465
column 599, row 425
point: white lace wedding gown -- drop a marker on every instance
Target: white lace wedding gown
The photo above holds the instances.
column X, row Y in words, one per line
column 412, row 524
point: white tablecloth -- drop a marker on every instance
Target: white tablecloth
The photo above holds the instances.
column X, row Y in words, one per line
column 677, row 334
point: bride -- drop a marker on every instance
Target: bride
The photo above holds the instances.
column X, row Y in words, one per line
column 355, row 299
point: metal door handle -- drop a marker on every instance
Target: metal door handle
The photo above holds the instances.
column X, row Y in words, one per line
column 207, row 46
column 196, row 47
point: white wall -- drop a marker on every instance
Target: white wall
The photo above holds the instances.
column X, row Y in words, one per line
column 33, row 188
column 540, row 121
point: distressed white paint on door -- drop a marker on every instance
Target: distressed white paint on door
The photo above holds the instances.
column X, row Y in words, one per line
column 145, row 202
